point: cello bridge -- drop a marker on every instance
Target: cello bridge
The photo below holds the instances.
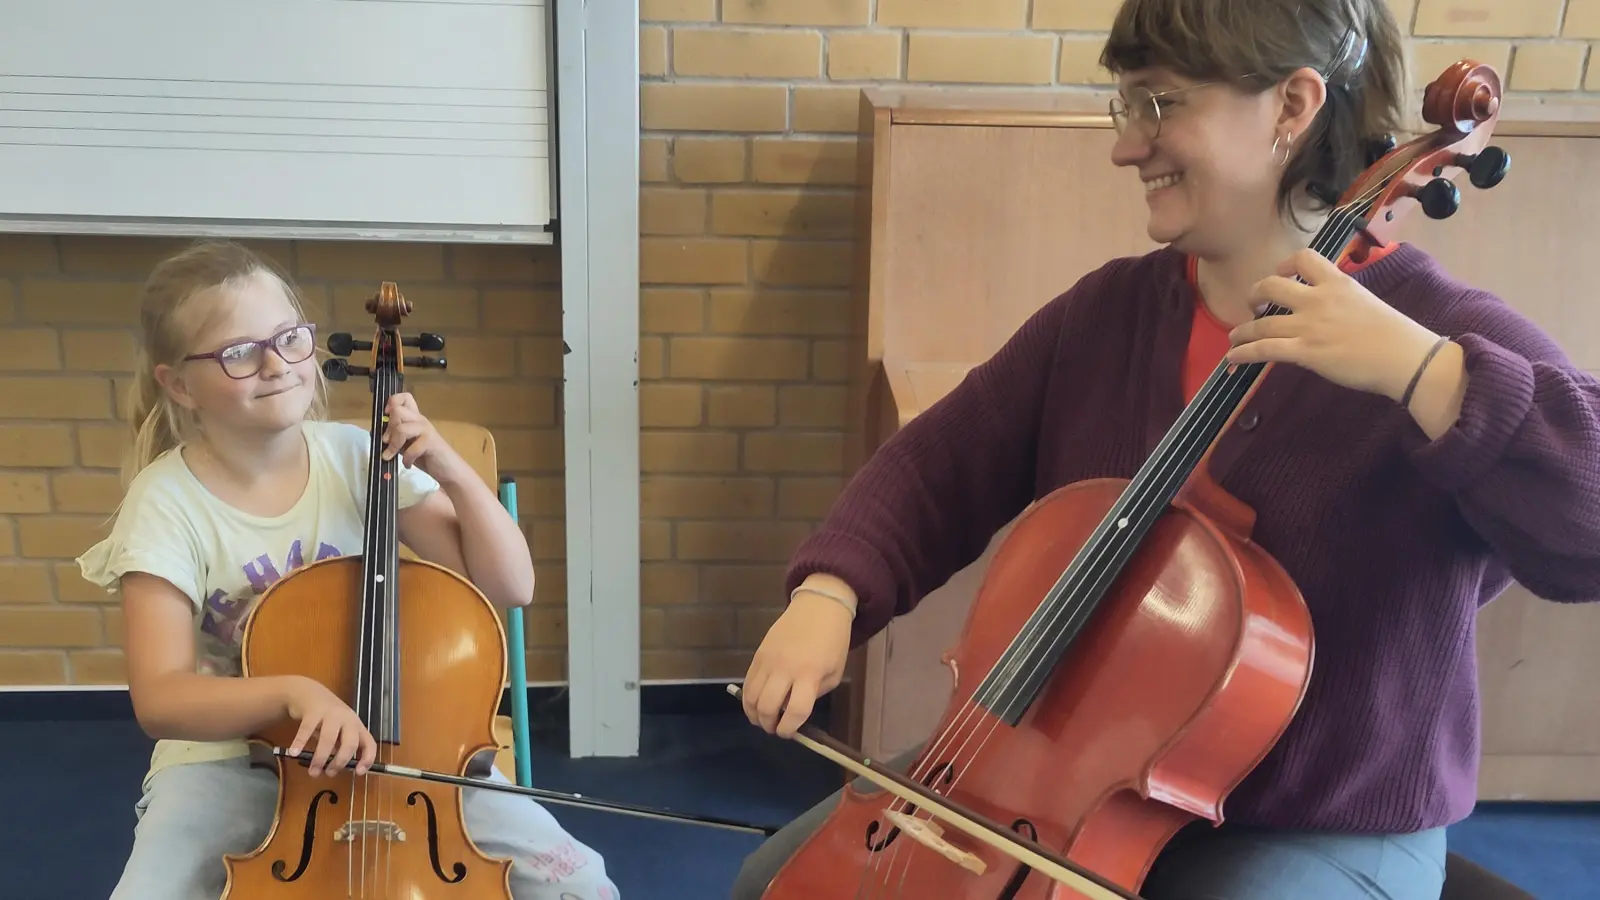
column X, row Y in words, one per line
column 931, row 835
column 389, row 831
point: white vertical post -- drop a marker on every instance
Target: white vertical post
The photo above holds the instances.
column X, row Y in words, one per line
column 597, row 74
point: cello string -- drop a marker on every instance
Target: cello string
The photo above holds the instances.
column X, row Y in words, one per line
column 358, row 784
column 391, row 648
column 1341, row 224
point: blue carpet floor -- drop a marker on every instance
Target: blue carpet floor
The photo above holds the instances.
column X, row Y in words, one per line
column 69, row 789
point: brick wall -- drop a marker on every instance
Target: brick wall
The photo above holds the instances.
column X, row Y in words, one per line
column 748, row 109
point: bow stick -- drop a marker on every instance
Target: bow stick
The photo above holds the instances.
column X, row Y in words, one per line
column 578, row 800
column 1027, row 852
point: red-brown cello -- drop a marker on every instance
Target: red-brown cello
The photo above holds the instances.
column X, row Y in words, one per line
column 1101, row 707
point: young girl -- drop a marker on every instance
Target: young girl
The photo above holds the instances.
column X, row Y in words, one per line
column 1422, row 446
column 236, row 480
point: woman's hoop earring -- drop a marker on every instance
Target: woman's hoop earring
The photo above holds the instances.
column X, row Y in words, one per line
column 1286, row 140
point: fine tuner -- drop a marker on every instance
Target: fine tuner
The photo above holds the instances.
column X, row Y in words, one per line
column 341, row 344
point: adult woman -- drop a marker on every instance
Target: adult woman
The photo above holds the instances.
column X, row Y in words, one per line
column 1418, row 451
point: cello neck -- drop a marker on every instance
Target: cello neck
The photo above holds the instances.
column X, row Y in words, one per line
column 1020, row 674
column 378, row 657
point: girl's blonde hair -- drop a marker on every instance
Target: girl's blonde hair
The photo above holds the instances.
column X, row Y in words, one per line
column 159, row 425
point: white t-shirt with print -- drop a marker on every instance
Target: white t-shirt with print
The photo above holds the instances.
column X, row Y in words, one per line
column 223, row 558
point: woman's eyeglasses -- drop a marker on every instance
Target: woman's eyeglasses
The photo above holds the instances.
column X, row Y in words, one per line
column 1142, row 109
column 242, row 360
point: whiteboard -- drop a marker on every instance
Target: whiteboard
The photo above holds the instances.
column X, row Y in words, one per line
column 392, row 119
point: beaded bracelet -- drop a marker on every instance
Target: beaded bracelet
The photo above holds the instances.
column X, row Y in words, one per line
column 1416, row 377
column 842, row 601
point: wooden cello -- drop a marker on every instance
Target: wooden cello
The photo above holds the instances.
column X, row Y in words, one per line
column 1100, row 707
column 420, row 654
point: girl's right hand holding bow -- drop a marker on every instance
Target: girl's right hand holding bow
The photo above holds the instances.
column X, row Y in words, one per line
column 340, row 734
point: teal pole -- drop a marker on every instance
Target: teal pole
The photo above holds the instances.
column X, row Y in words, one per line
column 517, row 650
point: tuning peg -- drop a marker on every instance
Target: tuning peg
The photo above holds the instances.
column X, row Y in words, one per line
column 339, row 369
column 1486, row 168
column 431, row 343
column 1440, row 198
column 1378, row 147
column 426, row 362
column 341, row 344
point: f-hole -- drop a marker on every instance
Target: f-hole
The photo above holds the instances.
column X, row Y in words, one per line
column 1014, row 886
column 306, row 840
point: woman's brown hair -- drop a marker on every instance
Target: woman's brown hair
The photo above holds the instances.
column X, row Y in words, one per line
column 1356, row 44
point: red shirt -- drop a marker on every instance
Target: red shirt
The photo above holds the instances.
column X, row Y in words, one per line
column 1208, row 336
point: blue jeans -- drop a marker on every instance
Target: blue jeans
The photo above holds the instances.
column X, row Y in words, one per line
column 1238, row 863
column 1206, row 863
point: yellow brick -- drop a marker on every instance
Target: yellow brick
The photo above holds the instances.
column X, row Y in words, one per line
column 22, row 582
column 671, row 664
column 746, row 53
column 708, row 160
column 1591, row 81
column 803, row 263
column 812, row 406
column 827, row 109
column 655, row 539
column 1404, row 12
column 653, row 159
column 702, row 628
column 1583, row 19
column 652, row 357
column 688, row 451
column 1009, row 14
column 100, row 446
column 24, row 494
column 780, row 312
column 435, row 307
column 8, row 302
column 1075, row 15
column 370, row 261
column 670, row 405
column 807, row 497
column 739, row 541
column 824, row 161
column 741, row 406
column 671, row 311
column 98, row 667
column 487, row 403
column 981, row 59
column 86, row 492
column 652, row 51
column 99, row 351
column 135, row 256
column 80, row 302
column 713, row 107
column 541, row 357
column 496, row 262
column 680, row 497
column 672, row 211
column 797, row 12
column 692, row 261
column 737, row 359
column 669, row 583
column 864, row 55
column 771, row 212
column 28, row 254
column 1488, row 18
column 29, row 349
column 46, row 397
column 1548, row 66
column 678, row 10
column 1080, row 62
column 535, row 312
column 480, row 356
column 35, row 446
column 50, row 627
column 33, row 667
column 1432, row 58
column 830, row 361
column 793, row 452
column 740, row 584
column 71, row 587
